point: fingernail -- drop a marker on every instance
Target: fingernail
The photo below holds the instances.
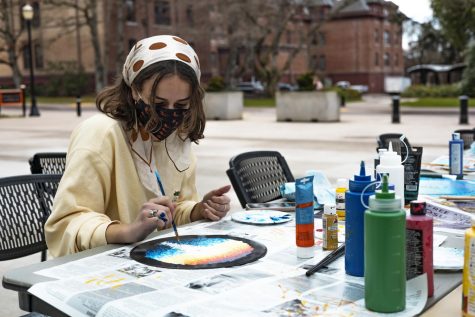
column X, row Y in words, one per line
column 162, row 214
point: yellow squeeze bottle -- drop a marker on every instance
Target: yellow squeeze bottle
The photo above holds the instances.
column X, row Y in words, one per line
column 468, row 282
column 341, row 188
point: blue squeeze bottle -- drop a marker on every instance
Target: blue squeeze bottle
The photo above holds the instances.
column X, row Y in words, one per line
column 456, row 156
column 354, row 222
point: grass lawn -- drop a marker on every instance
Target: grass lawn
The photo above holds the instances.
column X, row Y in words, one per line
column 433, row 102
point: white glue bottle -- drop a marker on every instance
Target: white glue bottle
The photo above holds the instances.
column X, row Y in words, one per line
column 390, row 163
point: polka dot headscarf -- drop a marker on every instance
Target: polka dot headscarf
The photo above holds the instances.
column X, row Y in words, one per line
column 155, row 49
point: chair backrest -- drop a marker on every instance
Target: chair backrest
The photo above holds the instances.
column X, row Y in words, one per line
column 256, row 176
column 384, row 139
column 48, row 163
column 468, row 136
column 25, row 204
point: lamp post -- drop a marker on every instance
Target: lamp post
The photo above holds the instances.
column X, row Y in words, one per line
column 27, row 12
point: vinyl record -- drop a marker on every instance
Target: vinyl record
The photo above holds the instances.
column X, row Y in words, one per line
column 198, row 252
column 261, row 217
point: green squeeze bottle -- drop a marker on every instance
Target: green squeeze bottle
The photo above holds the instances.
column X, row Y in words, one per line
column 385, row 252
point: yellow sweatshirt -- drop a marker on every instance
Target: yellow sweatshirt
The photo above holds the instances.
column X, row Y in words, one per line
column 100, row 185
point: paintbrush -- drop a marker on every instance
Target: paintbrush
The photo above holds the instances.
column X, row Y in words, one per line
column 175, row 196
column 335, row 254
column 457, row 198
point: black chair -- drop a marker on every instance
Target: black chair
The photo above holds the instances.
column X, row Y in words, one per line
column 25, row 204
column 256, row 176
column 467, row 135
column 384, row 139
column 48, row 163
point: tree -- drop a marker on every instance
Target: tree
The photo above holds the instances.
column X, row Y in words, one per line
column 88, row 14
column 10, row 33
column 457, row 18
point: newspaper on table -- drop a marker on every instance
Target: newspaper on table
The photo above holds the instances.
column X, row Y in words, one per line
column 112, row 284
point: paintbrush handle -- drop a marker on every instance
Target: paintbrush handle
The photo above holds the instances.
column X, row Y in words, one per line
column 327, row 260
column 458, row 197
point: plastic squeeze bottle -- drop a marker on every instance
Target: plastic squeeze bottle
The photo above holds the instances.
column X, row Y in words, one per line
column 330, row 227
column 304, row 219
column 456, row 156
column 419, row 244
column 385, row 252
column 341, row 188
column 390, row 163
column 468, row 279
column 354, row 222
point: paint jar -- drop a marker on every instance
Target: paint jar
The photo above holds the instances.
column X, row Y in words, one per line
column 330, row 227
column 419, row 244
column 340, row 191
column 385, row 252
column 456, row 156
column 468, row 279
column 354, row 221
column 304, row 219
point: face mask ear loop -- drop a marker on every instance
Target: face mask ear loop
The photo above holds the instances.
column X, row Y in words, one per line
column 407, row 148
column 377, row 183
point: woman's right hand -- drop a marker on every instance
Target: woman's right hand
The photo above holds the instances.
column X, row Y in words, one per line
column 155, row 213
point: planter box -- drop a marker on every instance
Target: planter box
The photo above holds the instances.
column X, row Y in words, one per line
column 313, row 106
column 226, row 105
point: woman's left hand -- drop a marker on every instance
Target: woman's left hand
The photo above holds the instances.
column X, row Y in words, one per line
column 214, row 206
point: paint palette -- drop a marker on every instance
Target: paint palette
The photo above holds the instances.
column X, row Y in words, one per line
column 261, row 217
column 198, row 252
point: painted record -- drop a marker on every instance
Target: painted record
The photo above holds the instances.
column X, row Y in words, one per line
column 198, row 252
column 261, row 217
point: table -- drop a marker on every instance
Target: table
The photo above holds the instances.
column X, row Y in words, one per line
column 22, row 279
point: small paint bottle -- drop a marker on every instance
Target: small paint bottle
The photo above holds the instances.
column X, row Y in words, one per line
column 304, row 218
column 468, row 277
column 456, row 156
column 419, row 244
column 330, row 227
column 341, row 188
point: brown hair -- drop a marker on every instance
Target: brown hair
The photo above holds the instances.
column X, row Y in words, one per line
column 117, row 101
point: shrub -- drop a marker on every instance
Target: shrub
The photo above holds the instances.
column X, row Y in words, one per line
column 421, row 91
column 63, row 80
column 216, row 84
column 305, row 82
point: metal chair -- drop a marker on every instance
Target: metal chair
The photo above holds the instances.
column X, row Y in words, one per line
column 384, row 139
column 48, row 163
column 256, row 176
column 25, row 204
column 467, row 135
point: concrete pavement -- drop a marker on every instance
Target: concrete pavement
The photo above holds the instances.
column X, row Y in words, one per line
column 335, row 148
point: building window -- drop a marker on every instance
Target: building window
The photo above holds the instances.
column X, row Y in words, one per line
column 38, row 56
column 130, row 11
column 132, row 43
column 376, row 59
column 376, row 35
column 189, row 16
column 387, row 38
column 322, row 63
column 26, row 57
column 162, row 12
column 36, row 22
column 315, row 39
column 322, row 39
column 396, row 60
column 387, row 61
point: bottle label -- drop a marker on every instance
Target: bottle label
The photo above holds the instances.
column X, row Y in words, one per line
column 414, row 255
column 340, row 201
column 455, row 162
column 330, row 232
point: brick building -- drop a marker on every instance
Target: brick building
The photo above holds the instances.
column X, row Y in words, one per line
column 361, row 43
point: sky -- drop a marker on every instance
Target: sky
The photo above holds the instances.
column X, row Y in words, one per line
column 418, row 10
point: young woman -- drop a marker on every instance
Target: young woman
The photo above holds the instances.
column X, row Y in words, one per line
column 124, row 166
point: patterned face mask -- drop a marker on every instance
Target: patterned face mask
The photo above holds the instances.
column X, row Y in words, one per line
column 168, row 119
